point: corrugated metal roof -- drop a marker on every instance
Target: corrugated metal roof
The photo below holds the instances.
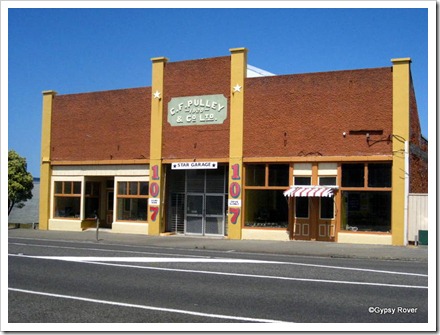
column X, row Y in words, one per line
column 253, row 72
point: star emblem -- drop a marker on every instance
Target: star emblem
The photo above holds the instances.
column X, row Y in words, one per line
column 237, row 88
column 156, row 95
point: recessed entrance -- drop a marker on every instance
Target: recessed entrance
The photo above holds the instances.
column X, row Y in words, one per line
column 196, row 201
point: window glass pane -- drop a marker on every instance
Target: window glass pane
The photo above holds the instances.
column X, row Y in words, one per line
column 67, row 207
column 67, row 187
column 323, row 181
column 366, row 211
column 122, row 188
column 58, row 187
column 195, row 180
column 379, row 175
column 327, row 208
column 133, row 190
column 301, row 207
column 255, row 174
column 266, row 209
column 302, row 180
column 76, row 187
column 353, row 175
column 214, row 205
column 134, row 209
column 143, row 188
column 278, row 175
column 215, row 180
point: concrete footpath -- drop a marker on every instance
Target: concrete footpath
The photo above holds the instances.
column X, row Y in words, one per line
column 298, row 248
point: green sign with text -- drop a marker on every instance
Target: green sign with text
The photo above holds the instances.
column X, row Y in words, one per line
column 197, row 110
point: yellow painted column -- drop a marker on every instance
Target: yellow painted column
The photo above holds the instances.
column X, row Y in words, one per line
column 401, row 116
column 45, row 167
column 155, row 201
column 235, row 206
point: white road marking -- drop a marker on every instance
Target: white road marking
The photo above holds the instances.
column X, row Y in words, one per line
column 218, row 251
column 202, row 257
column 104, row 250
column 89, row 259
column 103, row 260
column 262, row 276
column 151, row 308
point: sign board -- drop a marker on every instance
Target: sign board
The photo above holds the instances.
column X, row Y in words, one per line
column 193, row 165
column 234, row 202
column 197, row 110
column 154, row 201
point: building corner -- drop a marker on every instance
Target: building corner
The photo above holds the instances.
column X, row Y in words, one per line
column 45, row 164
column 401, row 137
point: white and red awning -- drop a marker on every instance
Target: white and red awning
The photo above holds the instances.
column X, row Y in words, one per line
column 310, row 191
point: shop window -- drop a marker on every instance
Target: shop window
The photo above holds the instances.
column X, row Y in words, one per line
column 92, row 199
column 266, row 208
column 379, row 175
column 132, row 201
column 278, row 175
column 255, row 175
column 366, row 211
column 353, row 175
column 265, row 204
column 67, row 199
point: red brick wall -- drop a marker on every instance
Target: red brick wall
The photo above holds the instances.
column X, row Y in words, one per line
column 306, row 114
column 193, row 78
column 418, row 163
column 290, row 115
column 418, row 181
column 101, row 125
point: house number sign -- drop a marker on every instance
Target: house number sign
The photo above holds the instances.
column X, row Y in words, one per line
column 197, row 110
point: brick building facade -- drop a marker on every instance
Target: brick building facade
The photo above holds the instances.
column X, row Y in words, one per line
column 207, row 150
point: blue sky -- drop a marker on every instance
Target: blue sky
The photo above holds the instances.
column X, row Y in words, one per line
column 83, row 50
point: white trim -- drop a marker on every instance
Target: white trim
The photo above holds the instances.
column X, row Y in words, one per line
column 104, row 170
column 131, row 178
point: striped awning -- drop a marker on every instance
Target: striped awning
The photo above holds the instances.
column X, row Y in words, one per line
column 310, row 191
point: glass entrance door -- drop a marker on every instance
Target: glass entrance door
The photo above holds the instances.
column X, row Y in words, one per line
column 194, row 214
column 205, row 214
column 214, row 214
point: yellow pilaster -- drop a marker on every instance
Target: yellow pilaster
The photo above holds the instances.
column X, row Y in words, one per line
column 238, row 75
column 401, row 90
column 155, row 202
column 45, row 167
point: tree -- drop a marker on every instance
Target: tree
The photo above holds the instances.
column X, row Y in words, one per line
column 20, row 181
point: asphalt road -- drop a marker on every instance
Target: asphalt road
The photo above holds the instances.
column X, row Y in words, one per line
column 84, row 282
